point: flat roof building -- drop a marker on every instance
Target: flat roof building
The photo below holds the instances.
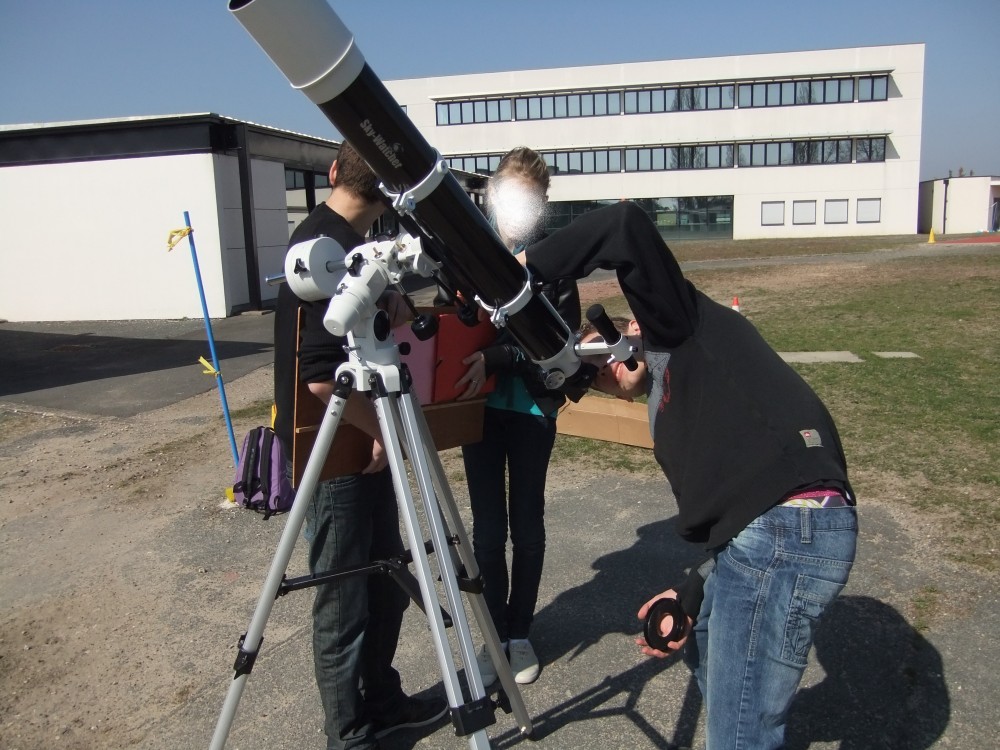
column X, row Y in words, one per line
column 793, row 144
column 88, row 206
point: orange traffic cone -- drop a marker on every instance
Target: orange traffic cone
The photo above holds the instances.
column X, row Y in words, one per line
column 736, row 304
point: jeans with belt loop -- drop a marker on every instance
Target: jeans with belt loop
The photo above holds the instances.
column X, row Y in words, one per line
column 749, row 647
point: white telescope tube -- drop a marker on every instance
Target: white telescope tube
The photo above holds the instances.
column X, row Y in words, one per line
column 284, row 29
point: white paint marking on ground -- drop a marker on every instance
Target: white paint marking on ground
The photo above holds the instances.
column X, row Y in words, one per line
column 809, row 357
column 896, row 355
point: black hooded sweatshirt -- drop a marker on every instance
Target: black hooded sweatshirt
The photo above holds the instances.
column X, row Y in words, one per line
column 735, row 429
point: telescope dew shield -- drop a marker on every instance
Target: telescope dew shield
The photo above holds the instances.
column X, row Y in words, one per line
column 316, row 52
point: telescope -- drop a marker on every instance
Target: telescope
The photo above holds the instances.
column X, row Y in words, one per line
column 317, row 54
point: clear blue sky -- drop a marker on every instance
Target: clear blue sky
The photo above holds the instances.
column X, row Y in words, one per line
column 87, row 59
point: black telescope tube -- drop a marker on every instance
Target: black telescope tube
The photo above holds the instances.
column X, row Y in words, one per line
column 316, row 52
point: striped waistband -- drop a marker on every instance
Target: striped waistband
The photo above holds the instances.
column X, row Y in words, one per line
column 816, row 499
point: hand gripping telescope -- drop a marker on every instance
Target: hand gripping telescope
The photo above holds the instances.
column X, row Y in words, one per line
column 316, row 52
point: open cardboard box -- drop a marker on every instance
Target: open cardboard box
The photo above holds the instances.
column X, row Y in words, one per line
column 450, row 425
column 608, row 419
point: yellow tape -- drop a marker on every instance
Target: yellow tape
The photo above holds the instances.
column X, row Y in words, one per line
column 176, row 235
column 209, row 369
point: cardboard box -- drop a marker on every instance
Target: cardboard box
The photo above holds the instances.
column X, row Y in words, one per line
column 450, row 425
column 436, row 364
column 608, row 419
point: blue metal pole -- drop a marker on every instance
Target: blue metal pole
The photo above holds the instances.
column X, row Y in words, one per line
column 211, row 342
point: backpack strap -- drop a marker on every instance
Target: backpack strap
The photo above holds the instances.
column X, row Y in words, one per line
column 265, row 469
column 249, row 462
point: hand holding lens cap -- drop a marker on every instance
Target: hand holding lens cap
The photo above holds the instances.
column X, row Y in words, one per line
column 661, row 609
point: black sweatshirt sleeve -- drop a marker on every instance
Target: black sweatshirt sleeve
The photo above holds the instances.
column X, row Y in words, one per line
column 692, row 591
column 622, row 237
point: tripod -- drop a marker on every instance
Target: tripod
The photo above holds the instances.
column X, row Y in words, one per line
column 374, row 367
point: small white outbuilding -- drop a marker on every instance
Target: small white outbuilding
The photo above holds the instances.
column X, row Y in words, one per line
column 959, row 205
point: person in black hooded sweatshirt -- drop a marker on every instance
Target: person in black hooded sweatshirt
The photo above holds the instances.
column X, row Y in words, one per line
column 755, row 464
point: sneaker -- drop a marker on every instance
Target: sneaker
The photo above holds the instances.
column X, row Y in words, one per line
column 523, row 662
column 486, row 669
column 412, row 712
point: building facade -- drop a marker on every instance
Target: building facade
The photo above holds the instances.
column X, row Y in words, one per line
column 795, row 144
column 88, row 206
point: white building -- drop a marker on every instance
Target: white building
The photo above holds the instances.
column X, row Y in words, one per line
column 87, row 208
column 797, row 144
column 960, row 205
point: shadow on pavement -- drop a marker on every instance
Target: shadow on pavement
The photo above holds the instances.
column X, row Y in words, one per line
column 36, row 360
column 580, row 617
column 884, row 686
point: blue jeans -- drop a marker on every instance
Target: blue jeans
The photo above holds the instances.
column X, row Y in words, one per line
column 353, row 520
column 515, row 448
column 762, row 601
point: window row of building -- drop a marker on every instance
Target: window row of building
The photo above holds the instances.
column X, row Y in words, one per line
column 296, row 179
column 835, row 211
column 690, row 217
column 664, row 99
column 707, row 156
column 681, row 217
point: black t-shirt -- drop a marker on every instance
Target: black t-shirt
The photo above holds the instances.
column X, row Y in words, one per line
column 319, row 352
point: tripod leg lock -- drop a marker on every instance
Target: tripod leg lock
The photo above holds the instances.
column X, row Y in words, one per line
column 245, row 659
column 473, row 716
column 469, row 585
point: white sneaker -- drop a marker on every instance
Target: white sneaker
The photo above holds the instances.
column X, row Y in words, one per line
column 486, row 669
column 523, row 662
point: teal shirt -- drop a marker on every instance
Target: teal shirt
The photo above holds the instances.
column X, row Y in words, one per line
column 510, row 392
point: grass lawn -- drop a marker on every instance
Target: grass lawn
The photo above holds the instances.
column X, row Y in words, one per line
column 922, row 433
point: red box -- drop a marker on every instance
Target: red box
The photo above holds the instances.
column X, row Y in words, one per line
column 436, row 364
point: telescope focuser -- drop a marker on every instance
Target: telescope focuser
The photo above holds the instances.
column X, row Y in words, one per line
column 620, row 348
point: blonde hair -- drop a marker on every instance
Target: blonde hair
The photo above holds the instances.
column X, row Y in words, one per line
column 524, row 162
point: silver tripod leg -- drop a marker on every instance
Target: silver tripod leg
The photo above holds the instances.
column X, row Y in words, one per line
column 250, row 643
column 394, row 411
column 479, row 710
column 431, row 480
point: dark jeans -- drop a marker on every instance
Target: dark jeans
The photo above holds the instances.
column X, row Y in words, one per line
column 518, row 446
column 353, row 520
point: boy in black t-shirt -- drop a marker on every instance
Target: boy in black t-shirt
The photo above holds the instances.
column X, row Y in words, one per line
column 351, row 520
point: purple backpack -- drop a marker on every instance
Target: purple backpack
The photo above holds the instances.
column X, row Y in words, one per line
column 261, row 482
